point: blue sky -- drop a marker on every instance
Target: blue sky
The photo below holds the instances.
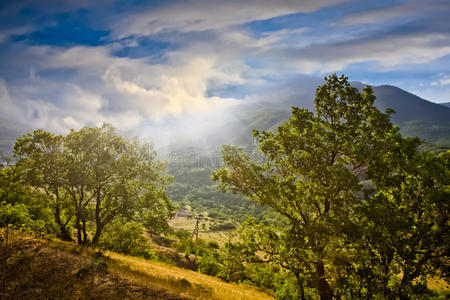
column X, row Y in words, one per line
column 69, row 63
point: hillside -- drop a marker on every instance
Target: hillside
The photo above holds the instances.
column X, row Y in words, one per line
column 9, row 131
column 414, row 115
column 50, row 269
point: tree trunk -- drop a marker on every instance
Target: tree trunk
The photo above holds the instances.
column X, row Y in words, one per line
column 302, row 292
column 300, row 286
column 78, row 227
column 322, row 285
column 97, row 234
column 404, row 283
column 84, row 232
column 98, row 220
column 386, row 259
column 64, row 235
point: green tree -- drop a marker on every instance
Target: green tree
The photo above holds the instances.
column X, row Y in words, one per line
column 125, row 237
column 42, row 168
column 315, row 163
column 94, row 175
column 405, row 224
column 22, row 206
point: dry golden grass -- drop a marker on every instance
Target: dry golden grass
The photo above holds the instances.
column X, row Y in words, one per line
column 206, row 287
column 188, row 224
column 57, row 264
column 37, row 269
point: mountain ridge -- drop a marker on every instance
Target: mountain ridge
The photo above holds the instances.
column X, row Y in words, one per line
column 414, row 115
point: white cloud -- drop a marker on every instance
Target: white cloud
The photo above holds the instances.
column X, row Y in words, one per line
column 6, row 33
column 397, row 11
column 199, row 15
column 177, row 89
column 442, row 81
column 124, row 92
column 75, row 109
column 99, row 87
column 387, row 52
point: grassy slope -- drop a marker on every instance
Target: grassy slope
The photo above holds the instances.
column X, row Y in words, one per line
column 41, row 269
column 188, row 224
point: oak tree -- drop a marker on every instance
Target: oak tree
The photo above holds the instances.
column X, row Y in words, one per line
column 94, row 176
column 315, row 163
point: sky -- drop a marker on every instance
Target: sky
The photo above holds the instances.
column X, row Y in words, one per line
column 139, row 64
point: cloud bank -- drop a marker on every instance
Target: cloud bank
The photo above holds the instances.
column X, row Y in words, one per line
column 141, row 65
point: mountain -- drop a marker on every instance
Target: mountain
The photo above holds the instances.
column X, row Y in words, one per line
column 271, row 106
column 191, row 161
column 415, row 116
column 446, row 104
column 9, row 132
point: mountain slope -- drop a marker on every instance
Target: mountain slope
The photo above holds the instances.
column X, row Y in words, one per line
column 52, row 269
column 415, row 116
column 9, row 132
column 409, row 107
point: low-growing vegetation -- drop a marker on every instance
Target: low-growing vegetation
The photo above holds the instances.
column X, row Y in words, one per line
column 56, row 269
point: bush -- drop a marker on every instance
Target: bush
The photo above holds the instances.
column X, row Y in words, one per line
column 287, row 290
column 127, row 238
column 213, row 245
column 18, row 217
column 263, row 275
column 224, row 226
column 207, row 264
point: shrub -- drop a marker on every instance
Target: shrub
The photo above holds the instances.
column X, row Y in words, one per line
column 126, row 238
column 224, row 226
column 207, row 264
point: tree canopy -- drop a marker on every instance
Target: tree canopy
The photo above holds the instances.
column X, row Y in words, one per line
column 324, row 171
column 94, row 176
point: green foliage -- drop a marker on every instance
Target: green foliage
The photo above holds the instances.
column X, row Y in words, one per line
column 127, row 238
column 208, row 264
column 288, row 290
column 22, row 207
column 224, row 226
column 406, row 223
column 95, row 176
column 155, row 219
column 233, row 263
column 184, row 242
column 16, row 215
column 213, row 245
column 193, row 187
column 316, row 164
